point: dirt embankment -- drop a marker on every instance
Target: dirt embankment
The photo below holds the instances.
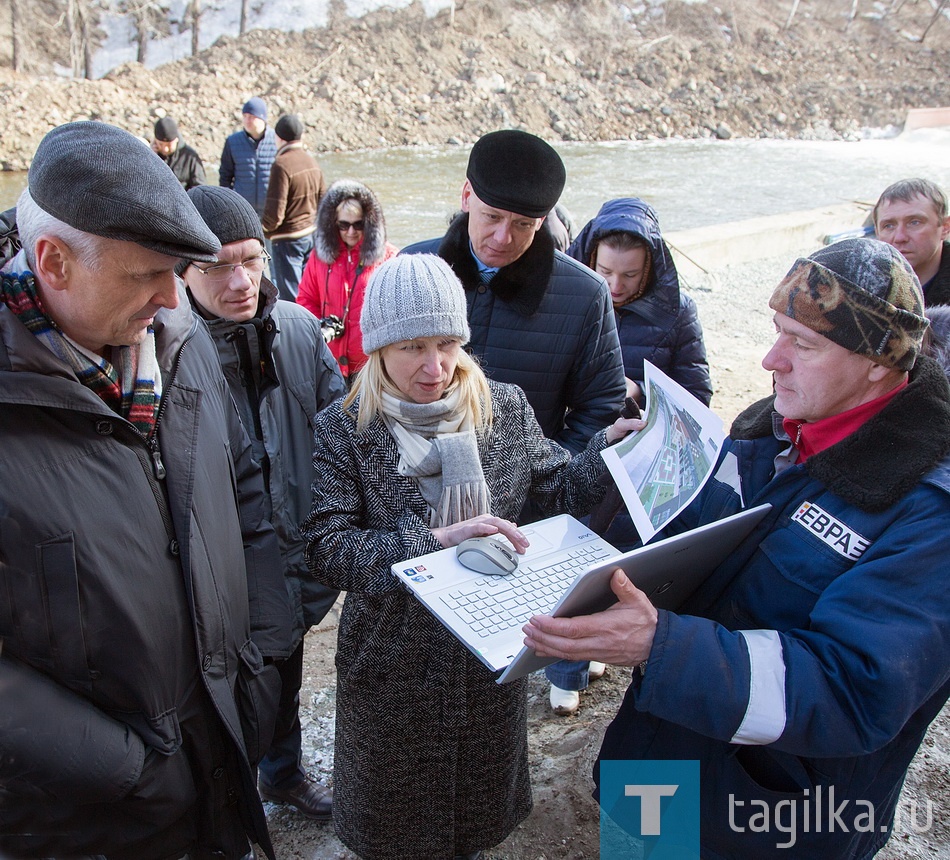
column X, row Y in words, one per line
column 566, row 70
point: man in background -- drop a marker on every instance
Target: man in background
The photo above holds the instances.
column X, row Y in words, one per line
column 294, row 192
column 182, row 159
column 281, row 374
column 248, row 155
column 912, row 216
column 143, row 606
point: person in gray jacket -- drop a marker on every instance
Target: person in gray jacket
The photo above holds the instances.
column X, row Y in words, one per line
column 142, row 606
column 281, row 374
column 539, row 319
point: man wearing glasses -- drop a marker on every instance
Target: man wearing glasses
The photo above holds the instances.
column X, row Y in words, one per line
column 281, row 374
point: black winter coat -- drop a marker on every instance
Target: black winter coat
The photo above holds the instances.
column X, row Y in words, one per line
column 544, row 323
column 135, row 611
column 662, row 326
column 187, row 166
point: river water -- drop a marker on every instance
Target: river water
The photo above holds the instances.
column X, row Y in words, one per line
column 690, row 183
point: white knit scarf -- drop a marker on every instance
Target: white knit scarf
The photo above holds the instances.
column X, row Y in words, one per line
column 439, row 450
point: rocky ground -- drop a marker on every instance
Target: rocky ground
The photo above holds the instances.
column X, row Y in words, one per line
column 564, row 824
column 564, row 69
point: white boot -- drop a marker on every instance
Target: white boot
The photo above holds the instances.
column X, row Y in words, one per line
column 564, row 702
column 596, row 670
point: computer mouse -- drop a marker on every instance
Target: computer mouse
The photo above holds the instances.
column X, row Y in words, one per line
column 487, row 555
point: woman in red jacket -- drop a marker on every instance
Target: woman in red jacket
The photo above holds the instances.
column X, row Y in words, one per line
column 350, row 241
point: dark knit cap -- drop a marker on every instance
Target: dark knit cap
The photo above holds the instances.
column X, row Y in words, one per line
column 256, row 107
column 517, row 172
column 289, row 127
column 230, row 217
column 166, row 129
column 861, row 294
column 103, row 180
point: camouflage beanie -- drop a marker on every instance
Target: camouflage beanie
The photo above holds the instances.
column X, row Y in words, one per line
column 861, row 294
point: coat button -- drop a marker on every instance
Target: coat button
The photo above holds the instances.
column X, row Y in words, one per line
column 104, row 428
column 173, row 548
column 206, row 663
column 482, row 288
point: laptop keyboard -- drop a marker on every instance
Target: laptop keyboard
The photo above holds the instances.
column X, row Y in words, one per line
column 493, row 604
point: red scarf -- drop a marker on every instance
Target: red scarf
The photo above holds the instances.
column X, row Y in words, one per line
column 813, row 438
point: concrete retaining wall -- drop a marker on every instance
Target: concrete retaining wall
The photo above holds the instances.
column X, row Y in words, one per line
column 704, row 249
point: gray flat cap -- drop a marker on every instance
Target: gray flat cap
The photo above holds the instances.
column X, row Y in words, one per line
column 103, row 180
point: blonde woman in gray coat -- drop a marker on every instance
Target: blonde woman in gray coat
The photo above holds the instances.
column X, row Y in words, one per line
column 431, row 754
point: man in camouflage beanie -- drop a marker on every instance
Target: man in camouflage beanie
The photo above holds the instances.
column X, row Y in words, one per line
column 861, row 294
column 810, row 662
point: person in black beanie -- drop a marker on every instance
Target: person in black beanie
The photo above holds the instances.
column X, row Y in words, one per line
column 539, row 319
column 294, row 192
column 143, row 608
column 281, row 374
column 184, row 161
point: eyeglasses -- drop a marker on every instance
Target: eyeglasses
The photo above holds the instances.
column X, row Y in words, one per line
column 343, row 226
column 222, row 271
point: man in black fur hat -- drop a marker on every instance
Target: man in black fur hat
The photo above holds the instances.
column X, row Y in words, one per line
column 539, row 319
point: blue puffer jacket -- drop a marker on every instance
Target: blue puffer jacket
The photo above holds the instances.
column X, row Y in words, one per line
column 662, row 326
column 817, row 655
column 245, row 166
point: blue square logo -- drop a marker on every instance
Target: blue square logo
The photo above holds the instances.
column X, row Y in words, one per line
column 649, row 810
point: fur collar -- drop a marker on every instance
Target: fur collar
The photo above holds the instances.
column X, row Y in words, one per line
column 885, row 459
column 521, row 284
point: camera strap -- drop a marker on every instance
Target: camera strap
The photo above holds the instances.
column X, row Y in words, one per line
column 349, row 291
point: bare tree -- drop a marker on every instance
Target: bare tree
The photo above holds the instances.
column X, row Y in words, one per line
column 243, row 26
column 16, row 36
column 937, row 13
column 79, row 26
column 194, row 18
column 149, row 19
column 854, row 11
column 791, row 14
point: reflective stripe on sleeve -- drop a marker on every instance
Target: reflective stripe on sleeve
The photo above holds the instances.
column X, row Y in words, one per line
column 765, row 716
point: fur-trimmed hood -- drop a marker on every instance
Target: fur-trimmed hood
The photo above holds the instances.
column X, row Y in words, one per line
column 632, row 215
column 886, row 457
column 327, row 243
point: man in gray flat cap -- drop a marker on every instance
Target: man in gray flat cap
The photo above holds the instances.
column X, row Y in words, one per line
column 142, row 606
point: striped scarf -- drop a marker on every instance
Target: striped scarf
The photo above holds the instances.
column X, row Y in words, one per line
column 130, row 385
column 438, row 448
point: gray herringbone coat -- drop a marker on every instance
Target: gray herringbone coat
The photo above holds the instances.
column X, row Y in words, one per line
column 431, row 754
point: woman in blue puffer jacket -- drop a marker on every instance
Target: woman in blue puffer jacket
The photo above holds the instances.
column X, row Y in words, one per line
column 656, row 321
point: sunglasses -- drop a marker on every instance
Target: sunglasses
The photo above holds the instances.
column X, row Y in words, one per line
column 343, row 226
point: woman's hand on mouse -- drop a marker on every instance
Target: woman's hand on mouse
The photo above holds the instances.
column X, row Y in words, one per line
column 481, row 526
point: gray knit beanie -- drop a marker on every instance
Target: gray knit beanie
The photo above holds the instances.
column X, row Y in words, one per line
column 410, row 296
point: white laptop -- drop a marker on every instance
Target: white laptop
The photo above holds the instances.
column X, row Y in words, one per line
column 565, row 570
